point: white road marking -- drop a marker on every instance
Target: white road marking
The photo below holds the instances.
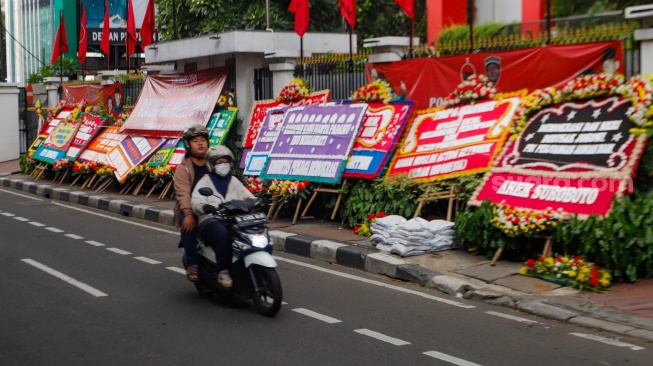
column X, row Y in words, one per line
column 511, row 317
column 117, row 219
column 147, row 260
column 22, row 195
column 7, row 214
column 454, row 360
column 177, row 269
column 21, row 218
column 377, row 283
column 54, row 230
column 70, row 280
column 318, row 316
column 36, row 223
column 381, row 337
column 94, row 243
column 609, row 341
column 73, row 236
column 119, row 251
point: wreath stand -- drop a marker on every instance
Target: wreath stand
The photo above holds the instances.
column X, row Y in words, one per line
column 38, row 172
column 87, row 183
column 275, row 208
column 449, row 194
column 546, row 251
column 102, row 187
column 167, row 189
column 63, row 174
column 326, row 190
column 163, row 193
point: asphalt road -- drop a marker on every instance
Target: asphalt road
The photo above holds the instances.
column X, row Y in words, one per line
column 87, row 287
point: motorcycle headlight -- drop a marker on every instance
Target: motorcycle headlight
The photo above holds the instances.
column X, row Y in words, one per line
column 258, row 240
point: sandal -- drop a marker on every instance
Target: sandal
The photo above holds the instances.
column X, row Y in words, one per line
column 191, row 273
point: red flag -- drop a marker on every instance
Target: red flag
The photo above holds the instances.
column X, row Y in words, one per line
column 348, row 11
column 300, row 8
column 132, row 39
column 104, row 44
column 60, row 42
column 149, row 26
column 408, row 6
column 83, row 41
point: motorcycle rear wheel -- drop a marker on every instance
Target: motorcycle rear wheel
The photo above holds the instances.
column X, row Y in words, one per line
column 268, row 299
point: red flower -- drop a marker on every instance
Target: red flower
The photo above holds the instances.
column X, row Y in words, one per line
column 356, row 228
column 594, row 281
column 530, row 263
column 371, row 216
column 306, row 183
column 380, row 214
column 300, row 186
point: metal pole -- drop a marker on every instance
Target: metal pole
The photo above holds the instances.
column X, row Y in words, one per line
column 351, row 59
column 3, row 68
column 548, row 21
column 127, row 48
column 470, row 20
column 174, row 19
column 61, row 20
column 267, row 14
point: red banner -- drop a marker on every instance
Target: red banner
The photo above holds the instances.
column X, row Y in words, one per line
column 430, row 80
column 445, row 143
column 260, row 109
column 169, row 104
column 111, row 96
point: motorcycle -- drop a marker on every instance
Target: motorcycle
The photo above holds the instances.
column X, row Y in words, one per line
column 253, row 268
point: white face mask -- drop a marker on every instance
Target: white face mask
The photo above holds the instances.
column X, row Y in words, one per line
column 222, row 169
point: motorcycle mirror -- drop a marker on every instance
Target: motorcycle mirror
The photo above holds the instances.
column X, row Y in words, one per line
column 267, row 183
column 206, row 191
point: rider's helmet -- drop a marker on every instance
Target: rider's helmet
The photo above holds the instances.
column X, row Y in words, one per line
column 216, row 152
column 194, row 131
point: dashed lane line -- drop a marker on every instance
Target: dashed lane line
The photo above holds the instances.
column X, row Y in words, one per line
column 176, row 269
column 511, row 317
column 382, row 337
column 36, row 223
column 147, row 260
column 73, row 236
column 377, row 283
column 82, row 286
column 54, row 229
column 94, row 243
column 8, row 214
column 23, row 219
column 454, row 360
column 318, row 316
column 609, row 341
column 119, row 251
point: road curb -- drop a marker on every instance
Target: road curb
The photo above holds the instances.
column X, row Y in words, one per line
column 346, row 255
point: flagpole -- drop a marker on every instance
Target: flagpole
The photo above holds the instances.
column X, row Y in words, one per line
column 351, row 58
column 127, row 48
column 60, row 54
column 301, row 53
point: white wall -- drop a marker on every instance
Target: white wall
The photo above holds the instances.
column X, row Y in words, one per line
column 498, row 11
column 9, row 124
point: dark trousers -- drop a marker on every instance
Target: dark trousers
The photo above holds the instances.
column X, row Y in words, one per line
column 189, row 243
column 217, row 236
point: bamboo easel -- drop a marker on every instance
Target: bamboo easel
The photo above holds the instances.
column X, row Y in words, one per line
column 546, row 251
column 38, row 172
column 87, row 183
column 166, row 189
column 64, row 175
column 105, row 184
column 326, row 190
column 139, row 186
column 275, row 208
column 434, row 196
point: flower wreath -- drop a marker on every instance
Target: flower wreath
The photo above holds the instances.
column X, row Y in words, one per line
column 378, row 90
column 295, row 89
column 473, row 89
column 514, row 222
column 569, row 271
column 226, row 100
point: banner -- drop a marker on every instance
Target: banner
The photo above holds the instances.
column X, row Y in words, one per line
column 54, row 147
column 108, row 95
column 383, row 125
column 314, row 142
column 445, row 143
column 256, row 158
column 169, row 104
column 130, row 152
column 46, row 129
column 98, row 148
column 88, row 129
column 260, row 108
column 178, row 155
column 164, row 153
column 36, row 144
column 117, row 20
column 219, row 125
column 531, row 68
column 573, row 156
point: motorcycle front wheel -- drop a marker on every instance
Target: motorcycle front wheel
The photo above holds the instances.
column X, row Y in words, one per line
column 267, row 298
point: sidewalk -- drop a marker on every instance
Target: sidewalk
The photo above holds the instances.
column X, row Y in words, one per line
column 626, row 309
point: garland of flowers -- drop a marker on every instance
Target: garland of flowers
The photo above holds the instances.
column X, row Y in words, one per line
column 514, row 222
column 472, row 90
column 569, row 271
column 378, row 90
column 255, row 186
column 84, row 168
column 286, row 190
column 140, row 170
column 534, row 101
column 103, row 171
column 364, row 228
column 162, row 174
column 226, row 100
column 295, row 89
column 61, row 165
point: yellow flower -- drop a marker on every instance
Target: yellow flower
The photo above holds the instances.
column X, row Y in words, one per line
column 604, row 282
column 523, row 271
column 581, row 277
column 571, row 273
column 549, row 262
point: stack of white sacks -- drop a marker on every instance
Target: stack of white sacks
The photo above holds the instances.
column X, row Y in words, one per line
column 395, row 234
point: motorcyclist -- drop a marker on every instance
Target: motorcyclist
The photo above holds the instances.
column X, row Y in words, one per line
column 219, row 161
column 189, row 172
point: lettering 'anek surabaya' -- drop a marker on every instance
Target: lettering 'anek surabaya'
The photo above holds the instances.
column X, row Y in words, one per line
column 543, row 192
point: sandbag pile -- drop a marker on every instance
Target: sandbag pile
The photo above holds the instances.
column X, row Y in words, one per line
column 395, row 234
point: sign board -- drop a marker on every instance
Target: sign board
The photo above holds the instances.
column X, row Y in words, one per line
column 130, row 152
